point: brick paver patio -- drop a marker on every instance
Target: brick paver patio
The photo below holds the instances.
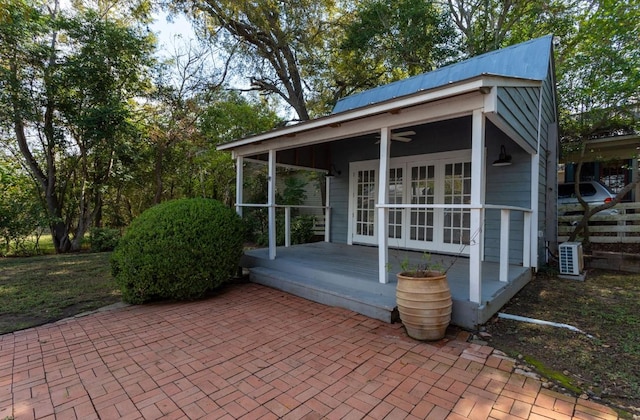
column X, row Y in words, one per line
column 253, row 352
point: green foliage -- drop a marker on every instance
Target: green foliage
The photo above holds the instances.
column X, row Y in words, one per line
column 487, row 25
column 424, row 268
column 599, row 72
column 21, row 212
column 302, row 229
column 104, row 239
column 69, row 80
column 180, row 249
column 293, row 194
column 278, row 46
column 390, row 40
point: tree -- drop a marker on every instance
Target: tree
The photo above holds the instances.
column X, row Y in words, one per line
column 486, row 25
column 391, row 40
column 68, row 83
column 278, row 45
column 228, row 118
column 598, row 86
column 182, row 87
column 21, row 212
column 601, row 69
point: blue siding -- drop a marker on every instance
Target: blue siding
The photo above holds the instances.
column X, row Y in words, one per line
column 548, row 141
column 518, row 107
column 505, row 185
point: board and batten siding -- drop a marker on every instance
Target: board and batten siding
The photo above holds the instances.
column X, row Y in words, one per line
column 518, row 107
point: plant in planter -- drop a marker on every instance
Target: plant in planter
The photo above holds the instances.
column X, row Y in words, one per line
column 424, row 299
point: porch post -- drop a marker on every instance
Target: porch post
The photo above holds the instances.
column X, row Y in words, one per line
column 271, row 203
column 239, row 184
column 287, row 227
column 383, row 180
column 505, row 219
column 535, row 205
column 526, row 245
column 477, row 183
column 327, row 209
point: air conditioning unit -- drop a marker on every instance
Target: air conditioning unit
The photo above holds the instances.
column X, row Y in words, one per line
column 571, row 261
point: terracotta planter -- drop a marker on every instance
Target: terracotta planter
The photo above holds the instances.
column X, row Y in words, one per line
column 424, row 304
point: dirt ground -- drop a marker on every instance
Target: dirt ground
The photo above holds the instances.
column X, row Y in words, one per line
column 603, row 362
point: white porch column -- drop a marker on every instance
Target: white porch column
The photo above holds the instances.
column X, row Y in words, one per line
column 505, row 219
column 287, row 227
column 477, row 213
column 271, row 203
column 526, row 242
column 327, row 210
column 383, row 180
column 239, row 184
column 535, row 205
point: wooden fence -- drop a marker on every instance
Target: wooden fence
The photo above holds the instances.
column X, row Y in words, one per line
column 623, row 227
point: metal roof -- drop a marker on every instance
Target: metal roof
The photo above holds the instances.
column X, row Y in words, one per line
column 528, row 60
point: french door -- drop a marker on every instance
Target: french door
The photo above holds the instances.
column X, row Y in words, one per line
column 443, row 178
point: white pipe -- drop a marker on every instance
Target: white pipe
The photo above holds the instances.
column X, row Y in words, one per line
column 541, row 322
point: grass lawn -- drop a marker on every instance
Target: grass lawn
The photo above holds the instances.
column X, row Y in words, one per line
column 32, row 245
column 36, row 290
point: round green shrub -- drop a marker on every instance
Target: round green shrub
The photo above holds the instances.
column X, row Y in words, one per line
column 178, row 250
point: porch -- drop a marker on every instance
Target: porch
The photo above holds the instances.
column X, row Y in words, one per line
column 347, row 276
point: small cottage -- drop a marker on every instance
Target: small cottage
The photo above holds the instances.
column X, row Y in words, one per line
column 460, row 163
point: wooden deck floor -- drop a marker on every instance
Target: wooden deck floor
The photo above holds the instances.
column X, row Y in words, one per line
column 347, row 276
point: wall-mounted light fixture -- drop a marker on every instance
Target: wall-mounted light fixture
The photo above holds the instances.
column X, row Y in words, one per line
column 503, row 159
column 333, row 171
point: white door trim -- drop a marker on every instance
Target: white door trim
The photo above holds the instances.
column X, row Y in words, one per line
column 439, row 160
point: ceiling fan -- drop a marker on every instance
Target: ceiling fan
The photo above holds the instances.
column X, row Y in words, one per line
column 401, row 136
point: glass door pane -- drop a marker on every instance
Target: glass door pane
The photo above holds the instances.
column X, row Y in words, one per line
column 396, row 196
column 457, row 190
column 365, row 202
column 422, row 191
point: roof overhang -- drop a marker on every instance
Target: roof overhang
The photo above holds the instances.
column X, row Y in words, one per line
column 608, row 148
column 445, row 102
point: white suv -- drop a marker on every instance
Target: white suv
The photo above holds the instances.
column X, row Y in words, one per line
column 593, row 192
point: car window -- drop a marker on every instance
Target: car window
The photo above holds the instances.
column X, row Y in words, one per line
column 567, row 190
column 587, row 190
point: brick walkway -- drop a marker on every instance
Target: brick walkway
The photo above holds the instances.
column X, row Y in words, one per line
column 253, row 352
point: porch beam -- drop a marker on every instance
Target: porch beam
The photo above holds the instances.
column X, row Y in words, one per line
column 286, row 166
column 383, row 180
column 477, row 214
column 239, row 184
column 421, row 114
column 271, row 203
